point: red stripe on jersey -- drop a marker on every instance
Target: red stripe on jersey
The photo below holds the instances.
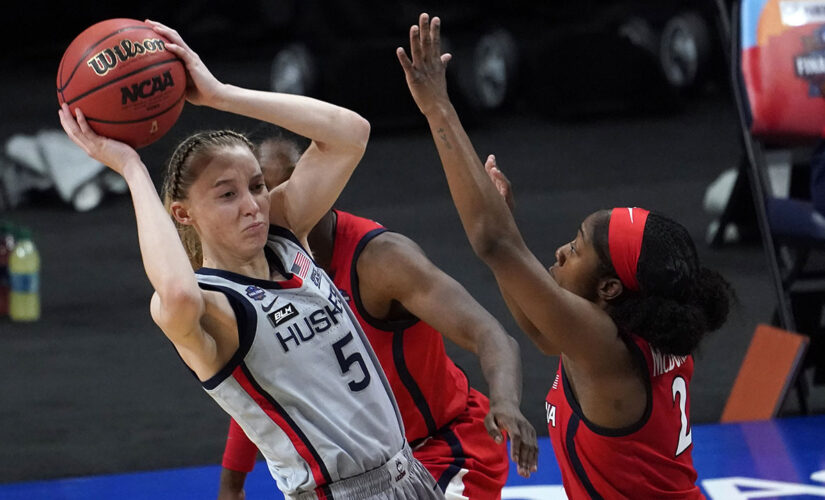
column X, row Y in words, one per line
column 323, row 493
column 294, row 282
column 272, row 412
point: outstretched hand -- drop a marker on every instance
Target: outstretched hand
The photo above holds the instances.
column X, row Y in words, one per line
column 202, row 88
column 114, row 154
column 426, row 72
column 500, row 181
column 524, row 448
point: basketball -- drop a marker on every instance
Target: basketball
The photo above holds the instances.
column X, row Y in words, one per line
column 129, row 87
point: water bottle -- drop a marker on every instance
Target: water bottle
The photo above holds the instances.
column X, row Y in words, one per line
column 24, row 274
column 6, row 247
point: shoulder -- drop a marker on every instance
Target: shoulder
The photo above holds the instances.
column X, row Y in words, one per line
column 391, row 265
column 390, row 249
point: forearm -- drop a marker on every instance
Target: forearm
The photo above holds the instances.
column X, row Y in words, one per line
column 164, row 259
column 485, row 216
column 328, row 125
column 498, row 355
column 541, row 341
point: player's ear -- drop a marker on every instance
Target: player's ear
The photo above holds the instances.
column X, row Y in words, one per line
column 181, row 213
column 609, row 288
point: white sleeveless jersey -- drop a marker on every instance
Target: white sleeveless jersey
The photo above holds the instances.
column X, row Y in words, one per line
column 304, row 385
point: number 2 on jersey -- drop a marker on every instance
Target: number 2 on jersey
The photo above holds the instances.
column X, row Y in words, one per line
column 346, row 363
column 685, row 434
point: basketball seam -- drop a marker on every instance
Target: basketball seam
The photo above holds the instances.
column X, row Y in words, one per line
column 61, row 97
column 92, row 47
column 88, row 119
column 116, row 80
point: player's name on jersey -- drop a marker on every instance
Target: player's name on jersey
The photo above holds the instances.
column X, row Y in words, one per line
column 293, row 327
column 663, row 363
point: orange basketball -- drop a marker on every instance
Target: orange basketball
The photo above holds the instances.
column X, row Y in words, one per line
column 129, row 87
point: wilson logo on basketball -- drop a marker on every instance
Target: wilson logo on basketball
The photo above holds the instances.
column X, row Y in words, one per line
column 107, row 59
column 146, row 88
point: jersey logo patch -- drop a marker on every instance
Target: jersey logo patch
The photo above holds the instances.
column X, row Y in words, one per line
column 283, row 314
column 315, row 276
column 255, row 293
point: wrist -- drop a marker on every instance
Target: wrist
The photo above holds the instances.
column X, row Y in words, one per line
column 221, row 97
column 133, row 170
column 440, row 109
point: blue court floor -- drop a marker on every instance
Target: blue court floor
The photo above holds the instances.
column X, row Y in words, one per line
column 783, row 458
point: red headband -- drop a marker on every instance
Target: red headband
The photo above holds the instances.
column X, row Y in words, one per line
column 624, row 240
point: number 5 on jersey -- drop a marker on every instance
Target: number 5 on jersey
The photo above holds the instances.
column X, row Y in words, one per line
column 346, row 362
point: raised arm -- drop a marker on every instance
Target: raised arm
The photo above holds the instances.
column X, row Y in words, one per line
column 437, row 299
column 339, row 137
column 578, row 327
column 178, row 303
column 504, row 188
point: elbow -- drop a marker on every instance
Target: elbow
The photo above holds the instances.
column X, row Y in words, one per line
column 182, row 299
column 354, row 130
column 490, row 246
column 360, row 129
column 514, row 347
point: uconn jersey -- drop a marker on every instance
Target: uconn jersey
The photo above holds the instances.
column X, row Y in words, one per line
column 304, row 384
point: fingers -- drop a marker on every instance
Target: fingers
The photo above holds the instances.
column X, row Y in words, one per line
column 170, row 34
column 71, row 127
column 426, row 36
column 492, row 428
column 435, row 35
column 525, row 441
column 84, row 125
column 415, row 45
column 490, row 163
column 403, row 59
column 445, row 58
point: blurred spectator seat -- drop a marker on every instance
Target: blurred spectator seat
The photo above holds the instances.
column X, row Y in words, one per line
column 766, row 374
column 778, row 76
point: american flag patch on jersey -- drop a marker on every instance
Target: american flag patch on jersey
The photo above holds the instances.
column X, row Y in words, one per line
column 301, row 265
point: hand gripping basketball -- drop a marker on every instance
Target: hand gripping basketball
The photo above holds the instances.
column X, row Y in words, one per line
column 130, row 86
column 202, row 87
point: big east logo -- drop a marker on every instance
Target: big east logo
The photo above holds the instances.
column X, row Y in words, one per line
column 146, row 88
column 810, row 64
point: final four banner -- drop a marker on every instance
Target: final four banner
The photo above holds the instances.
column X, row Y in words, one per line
column 783, row 64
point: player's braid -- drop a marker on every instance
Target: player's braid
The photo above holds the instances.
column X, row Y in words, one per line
column 192, row 146
column 180, row 175
column 173, row 173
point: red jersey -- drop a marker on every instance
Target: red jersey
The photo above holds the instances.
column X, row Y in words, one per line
column 430, row 389
column 649, row 460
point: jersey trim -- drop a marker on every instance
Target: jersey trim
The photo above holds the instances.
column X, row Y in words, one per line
column 409, row 382
column 380, row 324
column 607, row 431
column 457, row 452
column 247, row 321
column 282, row 419
column 578, row 468
column 292, row 281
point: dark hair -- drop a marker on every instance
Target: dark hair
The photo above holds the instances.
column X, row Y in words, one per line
column 679, row 300
column 181, row 172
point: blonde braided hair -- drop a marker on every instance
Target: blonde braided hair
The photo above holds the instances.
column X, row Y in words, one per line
column 181, row 172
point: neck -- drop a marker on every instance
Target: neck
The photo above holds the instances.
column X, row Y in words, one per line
column 254, row 267
column 322, row 238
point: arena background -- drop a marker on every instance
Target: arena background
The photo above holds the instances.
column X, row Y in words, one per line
column 94, row 387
